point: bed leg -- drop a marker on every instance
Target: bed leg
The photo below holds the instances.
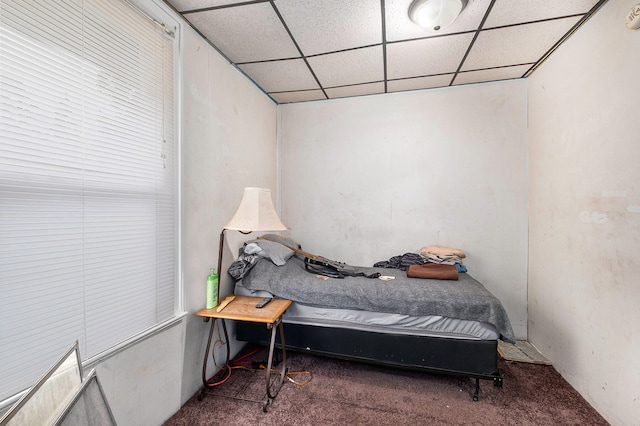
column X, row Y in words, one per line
column 497, row 382
column 476, row 394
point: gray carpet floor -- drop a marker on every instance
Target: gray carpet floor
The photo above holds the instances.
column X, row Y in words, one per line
column 350, row 393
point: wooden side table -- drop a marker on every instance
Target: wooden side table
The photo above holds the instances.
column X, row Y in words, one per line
column 243, row 308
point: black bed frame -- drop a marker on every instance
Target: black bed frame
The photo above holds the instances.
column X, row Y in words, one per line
column 468, row 358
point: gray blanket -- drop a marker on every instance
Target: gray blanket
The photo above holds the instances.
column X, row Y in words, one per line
column 464, row 299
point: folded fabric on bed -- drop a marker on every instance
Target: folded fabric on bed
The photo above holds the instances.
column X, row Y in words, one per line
column 467, row 299
column 441, row 254
column 435, row 271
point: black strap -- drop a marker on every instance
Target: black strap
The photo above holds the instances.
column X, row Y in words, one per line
column 315, row 268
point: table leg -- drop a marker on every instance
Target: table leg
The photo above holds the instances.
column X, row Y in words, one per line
column 206, row 384
column 272, row 393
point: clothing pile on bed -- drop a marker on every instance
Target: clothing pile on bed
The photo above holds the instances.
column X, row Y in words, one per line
column 270, row 246
column 433, row 262
column 268, row 265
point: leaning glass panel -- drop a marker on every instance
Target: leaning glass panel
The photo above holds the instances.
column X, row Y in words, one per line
column 51, row 393
column 89, row 407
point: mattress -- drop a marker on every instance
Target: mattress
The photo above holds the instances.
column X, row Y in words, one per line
column 465, row 299
column 379, row 322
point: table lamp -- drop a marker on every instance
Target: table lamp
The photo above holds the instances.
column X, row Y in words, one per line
column 256, row 212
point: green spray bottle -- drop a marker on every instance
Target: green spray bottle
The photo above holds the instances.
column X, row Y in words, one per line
column 212, row 290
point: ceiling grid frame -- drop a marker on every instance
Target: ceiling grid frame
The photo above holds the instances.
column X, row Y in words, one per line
column 345, row 53
column 475, row 37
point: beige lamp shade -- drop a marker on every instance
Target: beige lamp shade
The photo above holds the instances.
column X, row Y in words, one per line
column 256, row 212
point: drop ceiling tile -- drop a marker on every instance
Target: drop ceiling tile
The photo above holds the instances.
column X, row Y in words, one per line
column 301, row 96
column 509, row 12
column 503, row 73
column 332, row 25
column 341, row 40
column 419, row 83
column 418, row 58
column 184, row 5
column 349, row 67
column 246, row 33
column 281, row 76
column 400, row 27
column 521, row 44
column 357, row 90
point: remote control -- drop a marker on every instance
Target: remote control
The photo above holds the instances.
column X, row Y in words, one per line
column 263, row 302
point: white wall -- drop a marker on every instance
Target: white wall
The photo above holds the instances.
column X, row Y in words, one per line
column 229, row 142
column 140, row 383
column 584, row 297
column 365, row 179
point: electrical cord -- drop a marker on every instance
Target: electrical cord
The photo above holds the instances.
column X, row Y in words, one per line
column 225, row 369
column 302, row 383
column 227, row 375
column 240, row 363
column 261, row 368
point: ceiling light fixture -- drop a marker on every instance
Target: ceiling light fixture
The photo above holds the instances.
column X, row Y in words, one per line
column 435, row 14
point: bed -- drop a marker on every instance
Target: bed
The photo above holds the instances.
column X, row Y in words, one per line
column 441, row 326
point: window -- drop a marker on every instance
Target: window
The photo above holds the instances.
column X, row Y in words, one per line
column 88, row 181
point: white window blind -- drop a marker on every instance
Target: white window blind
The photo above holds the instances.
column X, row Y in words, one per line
column 87, row 181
